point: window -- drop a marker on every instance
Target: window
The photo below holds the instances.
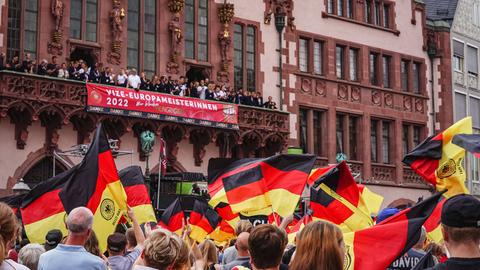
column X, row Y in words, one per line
column 380, row 141
column 141, row 53
column 373, row 68
column 458, row 55
column 303, row 55
column 412, row 136
column 376, row 14
column 460, row 106
column 368, row 11
column 312, row 123
column 472, row 62
column 340, row 7
column 84, row 19
column 350, row 8
column 475, row 162
column 404, row 74
column 416, row 69
column 318, row 57
column 476, row 14
column 417, row 135
column 386, row 16
column 330, row 6
column 132, row 32
column 244, row 43
column 196, row 30
column 353, row 64
column 339, row 62
column 374, row 141
column 347, row 135
column 405, row 140
column 16, row 45
column 386, row 71
column 303, row 130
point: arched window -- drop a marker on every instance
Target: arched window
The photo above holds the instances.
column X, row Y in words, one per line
column 42, row 171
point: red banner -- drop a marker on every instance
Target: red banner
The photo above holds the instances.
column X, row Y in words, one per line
column 151, row 105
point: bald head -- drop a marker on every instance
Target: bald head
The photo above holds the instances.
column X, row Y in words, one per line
column 80, row 220
column 242, row 243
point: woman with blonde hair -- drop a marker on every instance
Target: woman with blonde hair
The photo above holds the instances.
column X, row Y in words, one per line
column 209, row 252
column 320, row 246
column 8, row 231
column 160, row 252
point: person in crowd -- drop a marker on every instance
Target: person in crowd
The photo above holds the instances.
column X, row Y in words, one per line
column 201, row 90
column 161, row 250
column 63, row 71
column 243, row 258
column 52, row 239
column 134, row 80
column 131, row 240
column 144, row 82
column 42, row 67
column 8, row 231
column 2, row 61
column 437, row 251
column 194, row 89
column 460, row 220
column 32, row 67
column 94, row 73
column 121, row 79
column 26, row 63
column 52, row 67
column 72, row 70
column 30, row 254
column 265, row 246
column 14, row 64
column 106, row 76
column 413, row 256
column 230, row 253
column 155, row 84
column 72, row 255
column 92, row 245
column 270, row 104
column 117, row 247
column 209, row 252
column 319, row 246
column 182, row 87
column 386, row 213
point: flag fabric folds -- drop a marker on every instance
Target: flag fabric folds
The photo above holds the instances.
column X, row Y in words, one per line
column 137, row 194
column 254, row 184
column 469, row 142
column 94, row 183
column 173, row 218
column 203, row 221
column 391, row 238
column 372, row 200
column 315, row 174
column 439, row 161
column 336, row 197
column 292, row 232
column 223, row 233
column 225, row 212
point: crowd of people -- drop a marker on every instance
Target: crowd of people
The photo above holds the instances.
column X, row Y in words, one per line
column 80, row 71
column 319, row 245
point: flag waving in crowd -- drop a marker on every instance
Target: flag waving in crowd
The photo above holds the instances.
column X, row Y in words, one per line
column 93, row 183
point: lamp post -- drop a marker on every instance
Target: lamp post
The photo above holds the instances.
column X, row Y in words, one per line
column 20, row 187
column 147, row 139
column 280, row 25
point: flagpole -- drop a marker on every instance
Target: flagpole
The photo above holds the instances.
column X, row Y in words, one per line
column 160, row 171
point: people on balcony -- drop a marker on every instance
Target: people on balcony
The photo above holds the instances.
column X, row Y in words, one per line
column 80, row 71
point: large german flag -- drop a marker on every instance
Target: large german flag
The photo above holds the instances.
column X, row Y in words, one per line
column 469, row 142
column 203, row 221
column 137, row 194
column 389, row 239
column 225, row 212
column 439, row 161
column 173, row 218
column 254, row 184
column 222, row 234
column 93, row 183
column 335, row 197
column 372, row 200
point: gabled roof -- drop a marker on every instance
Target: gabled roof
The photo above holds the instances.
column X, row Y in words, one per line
column 441, row 10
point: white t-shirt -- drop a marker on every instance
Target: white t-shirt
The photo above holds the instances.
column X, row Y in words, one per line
column 134, row 81
column 121, row 78
column 201, row 91
column 11, row 265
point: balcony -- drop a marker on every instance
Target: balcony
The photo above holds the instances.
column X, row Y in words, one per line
column 57, row 102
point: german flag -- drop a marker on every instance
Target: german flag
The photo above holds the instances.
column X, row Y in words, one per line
column 14, row 201
column 372, row 200
column 203, row 221
column 469, row 142
column 254, row 184
column 315, row 174
column 432, row 224
column 292, row 232
column 173, row 218
column 338, row 200
column 225, row 212
column 391, row 238
column 137, row 194
column 223, row 233
column 439, row 161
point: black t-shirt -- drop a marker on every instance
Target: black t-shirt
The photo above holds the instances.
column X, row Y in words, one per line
column 458, row 264
column 407, row 261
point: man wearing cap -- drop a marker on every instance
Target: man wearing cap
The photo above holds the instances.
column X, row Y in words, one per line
column 117, row 246
column 461, row 233
column 52, row 239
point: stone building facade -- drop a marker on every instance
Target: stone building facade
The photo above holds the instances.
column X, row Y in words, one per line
column 354, row 80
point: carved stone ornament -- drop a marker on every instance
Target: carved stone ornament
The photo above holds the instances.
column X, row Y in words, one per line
column 356, row 94
column 320, row 88
column 176, row 35
column 225, row 15
column 55, row 44
column 306, row 85
column 117, row 14
column 342, row 92
column 176, row 6
column 276, row 6
column 376, row 97
column 389, row 100
column 407, row 103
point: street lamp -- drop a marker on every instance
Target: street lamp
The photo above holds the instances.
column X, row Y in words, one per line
column 280, row 25
column 20, row 187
